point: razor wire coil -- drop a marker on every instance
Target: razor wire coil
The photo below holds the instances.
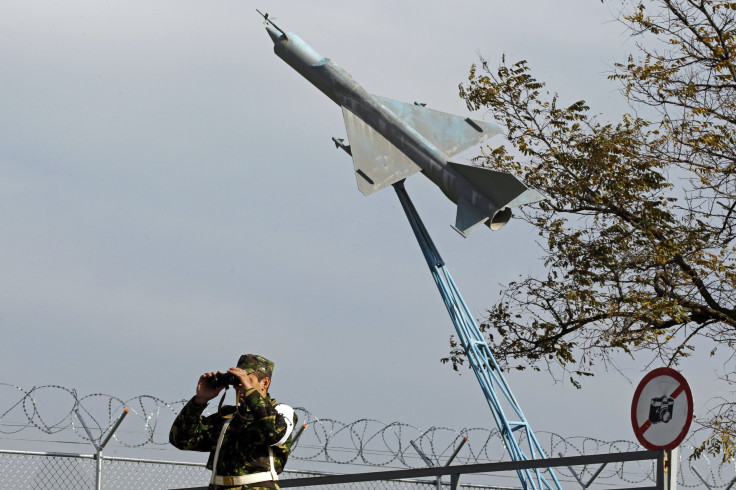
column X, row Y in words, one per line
column 55, row 410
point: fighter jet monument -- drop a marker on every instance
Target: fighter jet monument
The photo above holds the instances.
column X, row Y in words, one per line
column 391, row 140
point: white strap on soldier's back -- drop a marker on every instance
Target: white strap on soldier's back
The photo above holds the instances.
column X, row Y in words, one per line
column 217, row 450
column 274, row 475
column 230, row 481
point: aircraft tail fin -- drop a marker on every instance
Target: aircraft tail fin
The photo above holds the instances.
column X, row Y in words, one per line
column 504, row 190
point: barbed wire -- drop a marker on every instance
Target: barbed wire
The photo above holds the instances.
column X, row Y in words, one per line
column 56, row 410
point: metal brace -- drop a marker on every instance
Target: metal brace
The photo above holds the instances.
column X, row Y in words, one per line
column 455, row 477
column 592, row 479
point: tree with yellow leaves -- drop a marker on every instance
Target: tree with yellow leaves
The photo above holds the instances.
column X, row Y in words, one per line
column 639, row 229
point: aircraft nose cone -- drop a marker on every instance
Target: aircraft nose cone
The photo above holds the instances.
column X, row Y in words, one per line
column 275, row 35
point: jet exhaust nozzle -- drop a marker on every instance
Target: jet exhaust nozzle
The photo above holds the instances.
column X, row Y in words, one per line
column 499, row 219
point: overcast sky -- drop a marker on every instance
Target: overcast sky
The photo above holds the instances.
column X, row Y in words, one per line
column 170, row 198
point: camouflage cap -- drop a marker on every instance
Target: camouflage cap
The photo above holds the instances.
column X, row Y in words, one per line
column 251, row 363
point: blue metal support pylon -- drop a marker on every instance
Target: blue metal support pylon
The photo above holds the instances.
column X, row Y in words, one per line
column 489, row 375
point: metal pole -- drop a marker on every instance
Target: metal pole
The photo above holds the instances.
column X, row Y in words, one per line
column 575, row 473
column 298, row 435
column 98, row 454
column 114, row 428
column 504, row 466
column 424, row 457
column 455, row 477
column 459, row 447
column 98, row 475
column 480, row 357
column 102, row 446
column 595, row 475
column 703, row 479
column 428, row 462
column 454, row 481
column 661, row 461
column 671, row 469
column 86, row 429
column 730, row 484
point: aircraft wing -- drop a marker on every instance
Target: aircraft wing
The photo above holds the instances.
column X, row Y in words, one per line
column 376, row 161
column 451, row 134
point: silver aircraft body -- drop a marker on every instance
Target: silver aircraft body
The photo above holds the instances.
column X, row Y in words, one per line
column 391, row 140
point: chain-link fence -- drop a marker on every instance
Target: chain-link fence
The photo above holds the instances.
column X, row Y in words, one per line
column 24, row 470
column 59, row 415
column 20, row 470
column 31, row 471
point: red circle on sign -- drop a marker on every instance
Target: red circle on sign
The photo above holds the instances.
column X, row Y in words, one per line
column 683, row 387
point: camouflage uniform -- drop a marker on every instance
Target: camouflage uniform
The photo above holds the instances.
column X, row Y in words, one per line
column 254, row 427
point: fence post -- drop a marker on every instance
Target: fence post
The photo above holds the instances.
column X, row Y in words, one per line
column 98, row 454
column 428, row 462
column 455, row 477
column 659, row 471
column 670, row 469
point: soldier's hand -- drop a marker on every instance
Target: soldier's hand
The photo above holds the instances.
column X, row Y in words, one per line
column 205, row 391
column 245, row 383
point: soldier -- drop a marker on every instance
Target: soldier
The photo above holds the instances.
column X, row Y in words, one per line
column 249, row 442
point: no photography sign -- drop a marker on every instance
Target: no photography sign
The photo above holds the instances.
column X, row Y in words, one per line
column 662, row 409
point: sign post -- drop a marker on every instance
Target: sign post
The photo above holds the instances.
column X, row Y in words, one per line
column 661, row 413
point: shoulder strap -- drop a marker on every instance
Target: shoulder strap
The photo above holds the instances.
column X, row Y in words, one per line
column 217, row 449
